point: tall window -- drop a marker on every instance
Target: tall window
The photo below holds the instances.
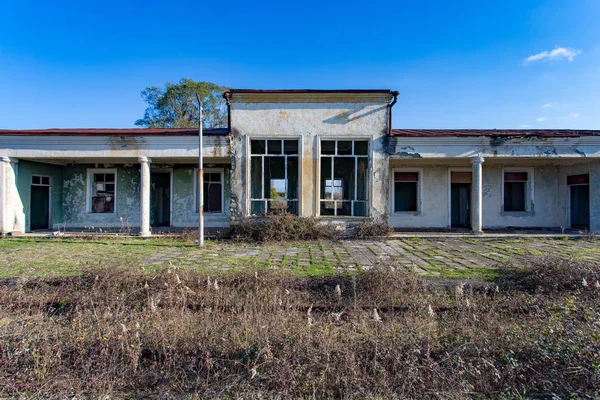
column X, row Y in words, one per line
column 515, row 190
column 406, row 191
column 344, row 169
column 274, row 176
column 213, row 191
column 102, row 191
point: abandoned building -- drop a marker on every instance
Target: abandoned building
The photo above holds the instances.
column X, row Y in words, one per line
column 331, row 154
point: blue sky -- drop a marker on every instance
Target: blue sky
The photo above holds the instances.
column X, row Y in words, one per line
column 457, row 64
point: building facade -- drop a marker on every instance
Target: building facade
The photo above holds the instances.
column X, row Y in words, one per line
column 318, row 153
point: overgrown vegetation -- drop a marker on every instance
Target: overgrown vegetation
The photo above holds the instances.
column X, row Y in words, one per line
column 372, row 228
column 378, row 334
column 278, row 227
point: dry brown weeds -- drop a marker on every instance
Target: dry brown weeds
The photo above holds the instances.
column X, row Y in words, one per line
column 377, row 334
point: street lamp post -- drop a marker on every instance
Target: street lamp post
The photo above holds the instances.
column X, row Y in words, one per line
column 200, row 178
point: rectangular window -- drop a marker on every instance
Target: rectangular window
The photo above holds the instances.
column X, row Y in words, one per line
column 344, row 174
column 38, row 180
column 102, row 191
column 406, row 191
column 274, row 176
column 213, row 191
column 515, row 190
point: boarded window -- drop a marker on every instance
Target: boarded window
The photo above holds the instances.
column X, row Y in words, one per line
column 344, row 174
column 103, row 192
column 213, row 192
column 274, row 176
column 406, row 191
column 515, row 191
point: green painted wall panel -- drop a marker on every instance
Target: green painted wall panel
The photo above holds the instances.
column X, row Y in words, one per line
column 25, row 170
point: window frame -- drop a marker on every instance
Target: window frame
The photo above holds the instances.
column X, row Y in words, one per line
column 529, row 190
column 221, row 172
column 368, row 155
column 249, row 155
column 419, row 211
column 90, row 181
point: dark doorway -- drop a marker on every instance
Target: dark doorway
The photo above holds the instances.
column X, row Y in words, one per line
column 460, row 202
column 580, row 206
column 40, row 203
column 160, row 199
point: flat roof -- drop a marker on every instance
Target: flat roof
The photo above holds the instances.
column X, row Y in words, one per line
column 494, row 132
column 386, row 91
column 113, row 132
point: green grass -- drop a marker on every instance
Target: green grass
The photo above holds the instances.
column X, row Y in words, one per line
column 43, row 257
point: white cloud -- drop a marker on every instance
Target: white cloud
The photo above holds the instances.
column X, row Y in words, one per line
column 570, row 116
column 548, row 105
column 542, row 119
column 524, row 126
column 556, row 54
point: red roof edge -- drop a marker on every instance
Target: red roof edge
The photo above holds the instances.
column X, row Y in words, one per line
column 493, row 132
column 113, row 132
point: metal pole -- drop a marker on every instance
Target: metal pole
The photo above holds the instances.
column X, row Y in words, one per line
column 200, row 179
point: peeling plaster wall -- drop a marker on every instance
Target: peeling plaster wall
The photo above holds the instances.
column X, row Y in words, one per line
column 184, row 199
column 309, row 121
column 25, row 170
column 75, row 211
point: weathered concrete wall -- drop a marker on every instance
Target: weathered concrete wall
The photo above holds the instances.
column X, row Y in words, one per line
column 183, row 202
column 25, row 170
column 434, row 201
column 310, row 122
column 593, row 169
column 545, row 210
column 489, row 147
column 127, row 206
column 101, row 147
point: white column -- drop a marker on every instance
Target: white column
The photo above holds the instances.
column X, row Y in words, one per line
column 145, row 196
column 3, row 196
column 477, row 196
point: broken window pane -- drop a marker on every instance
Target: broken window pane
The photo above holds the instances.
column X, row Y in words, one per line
column 274, row 170
column 344, row 190
column 103, row 193
column 274, row 178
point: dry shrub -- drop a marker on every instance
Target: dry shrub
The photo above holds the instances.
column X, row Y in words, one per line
column 372, row 228
column 553, row 274
column 379, row 334
column 276, row 227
